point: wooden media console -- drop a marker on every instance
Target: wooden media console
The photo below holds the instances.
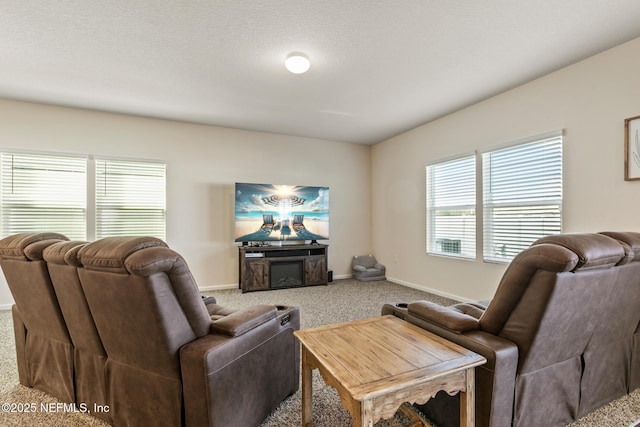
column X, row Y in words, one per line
column 263, row 268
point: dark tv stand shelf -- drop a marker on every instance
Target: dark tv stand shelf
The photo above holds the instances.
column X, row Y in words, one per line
column 264, row 268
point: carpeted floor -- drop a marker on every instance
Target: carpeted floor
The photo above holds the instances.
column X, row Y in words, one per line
column 341, row 301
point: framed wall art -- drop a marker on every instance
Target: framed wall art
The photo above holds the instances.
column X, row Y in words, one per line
column 632, row 149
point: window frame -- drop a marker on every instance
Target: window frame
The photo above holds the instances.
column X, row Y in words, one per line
column 38, row 212
column 455, row 247
column 88, row 191
column 143, row 210
column 488, row 204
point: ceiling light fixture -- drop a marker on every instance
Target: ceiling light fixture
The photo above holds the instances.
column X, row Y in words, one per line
column 297, row 63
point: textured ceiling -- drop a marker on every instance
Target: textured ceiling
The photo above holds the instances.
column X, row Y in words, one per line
column 378, row 67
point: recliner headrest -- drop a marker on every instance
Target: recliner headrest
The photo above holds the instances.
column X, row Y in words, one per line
column 110, row 253
column 593, row 250
column 629, row 240
column 28, row 246
column 64, row 253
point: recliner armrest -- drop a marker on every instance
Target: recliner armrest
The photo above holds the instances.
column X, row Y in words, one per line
column 359, row 268
column 242, row 321
column 217, row 312
column 448, row 317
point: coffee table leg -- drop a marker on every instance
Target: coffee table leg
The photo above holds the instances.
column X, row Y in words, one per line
column 365, row 414
column 468, row 401
column 307, row 385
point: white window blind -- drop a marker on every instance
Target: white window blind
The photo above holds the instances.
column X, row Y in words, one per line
column 451, row 208
column 522, row 196
column 41, row 193
column 130, row 198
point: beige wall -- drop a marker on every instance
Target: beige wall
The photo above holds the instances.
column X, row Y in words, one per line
column 589, row 100
column 203, row 163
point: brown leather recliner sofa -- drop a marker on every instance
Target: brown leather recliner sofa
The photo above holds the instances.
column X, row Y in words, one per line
column 142, row 343
column 561, row 335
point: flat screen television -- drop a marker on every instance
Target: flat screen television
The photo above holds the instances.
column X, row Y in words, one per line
column 268, row 212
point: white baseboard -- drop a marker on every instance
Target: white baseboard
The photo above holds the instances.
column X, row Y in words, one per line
column 5, row 307
column 431, row 291
column 210, row 288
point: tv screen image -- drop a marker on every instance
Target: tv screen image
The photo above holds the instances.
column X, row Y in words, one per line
column 268, row 212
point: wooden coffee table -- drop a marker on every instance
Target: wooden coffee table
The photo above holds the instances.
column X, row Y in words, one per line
column 378, row 364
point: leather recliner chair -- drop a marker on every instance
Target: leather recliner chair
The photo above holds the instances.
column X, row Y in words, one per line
column 561, row 334
column 44, row 350
column 168, row 363
column 90, row 357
